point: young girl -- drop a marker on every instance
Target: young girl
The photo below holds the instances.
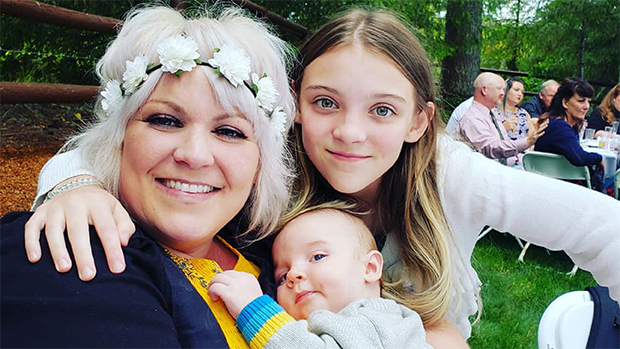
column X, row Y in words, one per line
column 368, row 130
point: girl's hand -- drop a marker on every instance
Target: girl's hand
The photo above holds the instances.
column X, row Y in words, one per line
column 75, row 210
column 237, row 289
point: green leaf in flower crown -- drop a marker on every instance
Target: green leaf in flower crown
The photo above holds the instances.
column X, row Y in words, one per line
column 217, row 71
column 198, row 61
column 254, row 88
column 149, row 66
column 178, row 73
column 217, row 49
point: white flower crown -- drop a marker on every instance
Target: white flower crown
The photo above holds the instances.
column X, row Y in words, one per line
column 178, row 54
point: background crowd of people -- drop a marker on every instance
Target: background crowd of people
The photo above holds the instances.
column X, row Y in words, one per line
column 553, row 121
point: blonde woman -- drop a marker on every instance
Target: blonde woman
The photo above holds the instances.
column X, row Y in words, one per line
column 186, row 143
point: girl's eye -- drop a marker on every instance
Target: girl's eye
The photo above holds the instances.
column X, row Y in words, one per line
column 383, row 111
column 162, row 120
column 318, row 257
column 325, row 103
column 229, row 132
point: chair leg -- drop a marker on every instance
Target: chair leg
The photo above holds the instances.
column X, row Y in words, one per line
column 519, row 242
column 522, row 255
column 484, row 232
column 573, row 271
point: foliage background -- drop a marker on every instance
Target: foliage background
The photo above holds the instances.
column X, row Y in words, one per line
column 541, row 37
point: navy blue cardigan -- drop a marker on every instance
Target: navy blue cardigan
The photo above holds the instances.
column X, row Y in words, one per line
column 150, row 305
column 560, row 138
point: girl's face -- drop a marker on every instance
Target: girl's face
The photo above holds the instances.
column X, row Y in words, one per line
column 357, row 110
column 515, row 94
column 576, row 106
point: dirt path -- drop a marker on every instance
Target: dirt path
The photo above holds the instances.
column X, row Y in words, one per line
column 29, row 136
column 19, row 170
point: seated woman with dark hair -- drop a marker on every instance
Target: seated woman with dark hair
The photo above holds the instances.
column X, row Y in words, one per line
column 186, row 144
column 607, row 113
column 566, row 116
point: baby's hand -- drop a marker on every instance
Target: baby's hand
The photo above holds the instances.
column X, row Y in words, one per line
column 237, row 289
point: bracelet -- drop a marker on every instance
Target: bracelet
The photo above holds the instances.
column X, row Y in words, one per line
column 73, row 184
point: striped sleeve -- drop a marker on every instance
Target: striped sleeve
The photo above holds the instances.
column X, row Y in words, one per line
column 260, row 320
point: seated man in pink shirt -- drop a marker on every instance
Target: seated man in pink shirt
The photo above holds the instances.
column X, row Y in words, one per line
column 484, row 132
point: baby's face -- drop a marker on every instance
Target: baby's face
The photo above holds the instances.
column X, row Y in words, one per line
column 318, row 264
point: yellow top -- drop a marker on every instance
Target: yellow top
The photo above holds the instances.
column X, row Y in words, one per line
column 199, row 272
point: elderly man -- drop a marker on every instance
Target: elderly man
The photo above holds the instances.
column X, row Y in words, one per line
column 538, row 104
column 481, row 128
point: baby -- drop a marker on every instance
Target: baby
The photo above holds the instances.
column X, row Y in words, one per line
column 328, row 272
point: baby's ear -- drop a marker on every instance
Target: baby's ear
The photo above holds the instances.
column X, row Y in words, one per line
column 374, row 266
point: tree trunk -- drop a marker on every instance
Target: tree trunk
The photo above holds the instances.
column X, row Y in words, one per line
column 463, row 35
column 582, row 41
column 512, row 63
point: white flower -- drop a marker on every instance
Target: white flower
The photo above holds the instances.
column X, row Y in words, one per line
column 233, row 63
column 278, row 120
column 177, row 54
column 112, row 96
column 135, row 73
column 266, row 93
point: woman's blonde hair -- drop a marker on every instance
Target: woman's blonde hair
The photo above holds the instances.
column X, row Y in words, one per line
column 607, row 105
column 143, row 30
column 409, row 203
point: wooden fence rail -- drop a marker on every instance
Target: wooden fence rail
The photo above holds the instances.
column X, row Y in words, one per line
column 21, row 92
column 50, row 14
column 13, row 92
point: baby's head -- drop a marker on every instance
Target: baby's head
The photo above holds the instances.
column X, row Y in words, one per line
column 325, row 258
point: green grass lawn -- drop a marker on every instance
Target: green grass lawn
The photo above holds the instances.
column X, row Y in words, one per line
column 515, row 294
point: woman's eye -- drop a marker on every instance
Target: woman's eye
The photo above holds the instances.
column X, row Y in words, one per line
column 163, row 121
column 229, row 132
column 325, row 103
column 383, row 111
column 318, row 257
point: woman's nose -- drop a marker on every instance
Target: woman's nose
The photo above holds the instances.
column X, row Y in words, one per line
column 194, row 150
column 349, row 130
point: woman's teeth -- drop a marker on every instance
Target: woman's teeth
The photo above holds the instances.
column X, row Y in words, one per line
column 189, row 188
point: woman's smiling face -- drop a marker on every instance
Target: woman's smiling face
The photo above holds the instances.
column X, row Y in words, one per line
column 188, row 166
column 356, row 110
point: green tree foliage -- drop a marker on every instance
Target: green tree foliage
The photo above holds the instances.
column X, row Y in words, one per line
column 36, row 52
column 557, row 32
column 545, row 39
column 539, row 37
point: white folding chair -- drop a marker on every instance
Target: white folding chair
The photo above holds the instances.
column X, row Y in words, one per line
column 489, row 229
column 566, row 322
